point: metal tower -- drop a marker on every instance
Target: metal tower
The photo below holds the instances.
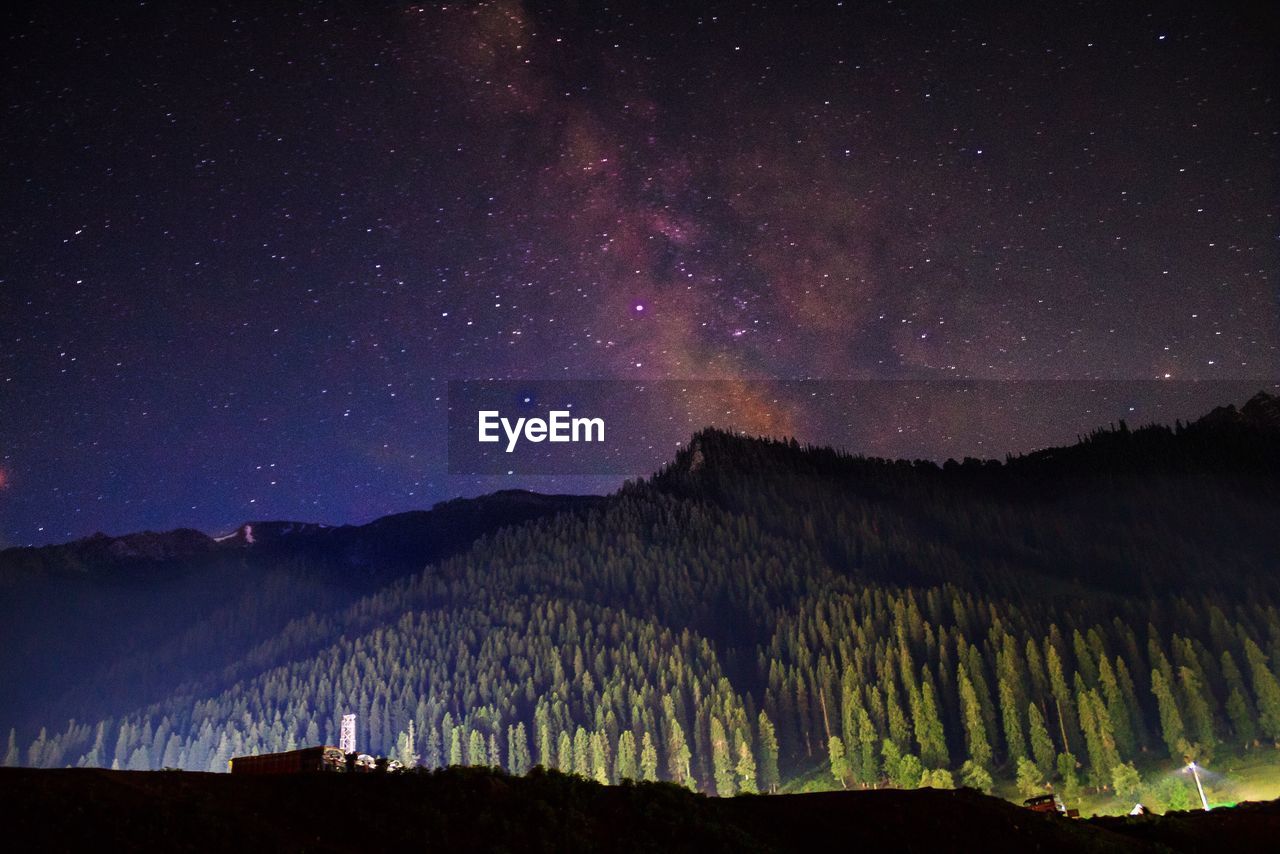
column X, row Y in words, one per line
column 348, row 740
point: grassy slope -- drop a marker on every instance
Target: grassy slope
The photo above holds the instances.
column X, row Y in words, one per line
column 1253, row 776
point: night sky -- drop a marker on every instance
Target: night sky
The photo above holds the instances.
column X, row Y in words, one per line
column 245, row 250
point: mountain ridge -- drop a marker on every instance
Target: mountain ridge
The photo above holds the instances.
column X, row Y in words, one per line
column 409, row 537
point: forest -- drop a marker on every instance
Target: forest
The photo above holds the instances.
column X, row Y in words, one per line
column 762, row 616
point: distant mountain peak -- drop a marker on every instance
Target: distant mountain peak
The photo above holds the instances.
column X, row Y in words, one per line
column 1260, row 411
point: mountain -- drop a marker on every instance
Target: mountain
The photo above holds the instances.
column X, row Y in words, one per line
column 383, row 547
column 109, row 623
column 764, row 615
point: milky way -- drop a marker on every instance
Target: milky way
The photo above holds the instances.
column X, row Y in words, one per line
column 246, row 250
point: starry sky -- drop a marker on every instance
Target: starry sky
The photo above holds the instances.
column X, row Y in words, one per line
column 246, row 246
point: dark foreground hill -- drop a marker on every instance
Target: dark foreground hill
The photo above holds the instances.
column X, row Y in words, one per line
column 462, row 809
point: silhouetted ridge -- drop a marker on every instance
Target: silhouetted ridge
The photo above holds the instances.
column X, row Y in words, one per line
column 1226, row 439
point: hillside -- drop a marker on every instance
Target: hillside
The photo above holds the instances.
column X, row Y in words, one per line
column 475, row 809
column 141, row 614
column 760, row 614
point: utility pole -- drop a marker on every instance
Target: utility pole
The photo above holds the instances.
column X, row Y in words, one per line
column 1195, row 772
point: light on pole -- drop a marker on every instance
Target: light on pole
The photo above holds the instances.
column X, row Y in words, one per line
column 1195, row 772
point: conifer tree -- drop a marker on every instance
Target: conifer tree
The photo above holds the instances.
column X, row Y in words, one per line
column 581, row 752
column 1198, row 715
column 746, row 768
column 1266, row 689
column 1015, row 744
column 975, row 776
column 839, row 766
column 867, row 737
column 768, row 741
column 898, row 726
column 1067, row 764
column 1117, row 707
column 678, row 753
column 975, row 733
column 599, row 749
column 495, row 753
column 933, row 740
column 1062, row 700
column 11, row 759
column 648, row 758
column 625, row 765
column 1170, row 717
column 1098, row 737
column 721, row 760
column 1041, row 743
column 518, row 748
column 455, row 745
column 1029, row 779
column 891, row 759
column 1126, row 781
column 910, row 772
column 564, row 752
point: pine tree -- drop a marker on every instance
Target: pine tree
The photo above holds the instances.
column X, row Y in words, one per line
column 1029, row 779
column 433, row 758
column 892, row 759
column 1126, row 781
column 564, row 752
column 1041, row 743
column 1137, row 725
column 455, row 745
column 1266, row 689
column 898, row 727
column 1015, row 744
column 403, row 754
column 721, row 760
column 648, row 758
column 1199, row 717
column 1239, row 710
column 746, row 768
column 1067, row 775
column 975, row 733
column 546, row 745
column 938, row 778
column 495, row 753
column 768, row 741
column 11, row 756
column 1117, row 707
column 625, row 765
column 518, row 758
column 581, row 753
column 910, row 772
column 867, row 737
column 1062, row 702
column 1170, row 718
column 975, row 776
column 1098, row 737
column 600, row 757
column 933, row 740
column 839, row 766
